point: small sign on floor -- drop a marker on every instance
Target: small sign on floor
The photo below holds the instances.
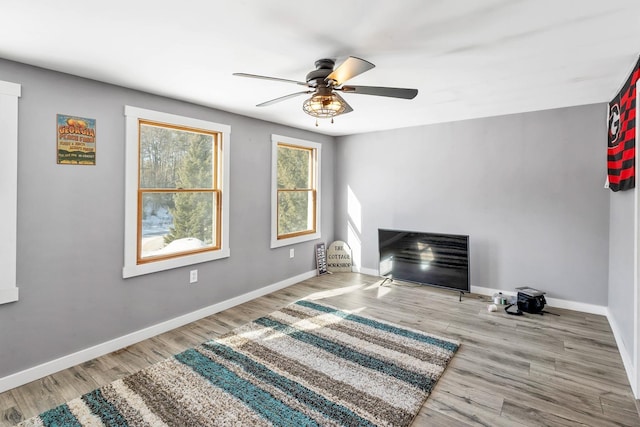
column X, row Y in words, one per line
column 339, row 257
column 321, row 259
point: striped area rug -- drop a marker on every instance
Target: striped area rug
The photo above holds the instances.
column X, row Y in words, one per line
column 305, row 365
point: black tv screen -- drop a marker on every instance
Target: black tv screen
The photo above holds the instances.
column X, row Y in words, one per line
column 425, row 258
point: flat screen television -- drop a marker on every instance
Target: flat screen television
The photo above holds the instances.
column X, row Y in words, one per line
column 426, row 258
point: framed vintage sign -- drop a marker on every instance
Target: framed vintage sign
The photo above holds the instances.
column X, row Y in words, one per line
column 76, row 137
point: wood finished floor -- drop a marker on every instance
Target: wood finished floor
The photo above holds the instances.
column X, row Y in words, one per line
column 532, row 370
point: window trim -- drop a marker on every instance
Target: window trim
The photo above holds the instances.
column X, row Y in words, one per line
column 9, row 94
column 296, row 238
column 133, row 116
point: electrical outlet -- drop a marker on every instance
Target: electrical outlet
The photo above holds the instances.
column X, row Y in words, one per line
column 193, row 276
column 292, row 253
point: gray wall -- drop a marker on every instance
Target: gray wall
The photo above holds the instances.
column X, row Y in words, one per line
column 527, row 189
column 621, row 264
column 70, row 224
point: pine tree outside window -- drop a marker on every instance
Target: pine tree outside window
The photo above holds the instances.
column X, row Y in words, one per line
column 295, row 191
column 181, row 171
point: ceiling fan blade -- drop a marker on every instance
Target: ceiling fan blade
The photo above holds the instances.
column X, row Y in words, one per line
column 277, row 79
column 350, row 68
column 347, row 108
column 391, row 92
column 283, row 98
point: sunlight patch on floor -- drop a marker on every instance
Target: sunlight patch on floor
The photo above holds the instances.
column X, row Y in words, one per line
column 333, row 292
column 382, row 291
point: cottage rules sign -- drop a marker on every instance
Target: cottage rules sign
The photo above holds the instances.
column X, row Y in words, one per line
column 339, row 257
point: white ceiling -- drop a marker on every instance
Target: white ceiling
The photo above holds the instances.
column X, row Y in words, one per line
column 467, row 58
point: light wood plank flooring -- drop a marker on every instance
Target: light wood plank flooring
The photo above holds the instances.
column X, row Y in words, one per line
column 532, row 370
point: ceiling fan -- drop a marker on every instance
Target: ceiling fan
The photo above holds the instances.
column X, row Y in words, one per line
column 324, row 82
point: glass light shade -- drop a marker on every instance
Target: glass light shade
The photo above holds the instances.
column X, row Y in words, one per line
column 323, row 106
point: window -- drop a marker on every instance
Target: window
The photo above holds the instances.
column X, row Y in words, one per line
column 295, row 191
column 176, row 203
column 9, row 94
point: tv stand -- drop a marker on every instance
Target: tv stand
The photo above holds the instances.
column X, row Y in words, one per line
column 385, row 281
column 391, row 280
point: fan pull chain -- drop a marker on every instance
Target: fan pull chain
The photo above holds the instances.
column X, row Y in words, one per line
column 317, row 121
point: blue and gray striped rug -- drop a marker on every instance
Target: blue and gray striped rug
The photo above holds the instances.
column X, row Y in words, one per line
column 305, row 365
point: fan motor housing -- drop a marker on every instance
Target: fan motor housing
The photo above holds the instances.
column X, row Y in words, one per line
column 317, row 77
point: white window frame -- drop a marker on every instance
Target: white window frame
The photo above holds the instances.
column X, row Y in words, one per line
column 131, row 267
column 279, row 139
column 9, row 94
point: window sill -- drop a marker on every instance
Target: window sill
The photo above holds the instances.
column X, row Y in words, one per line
column 152, row 267
column 293, row 240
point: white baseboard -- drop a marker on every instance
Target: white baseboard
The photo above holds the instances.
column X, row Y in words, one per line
column 364, row 270
column 551, row 302
column 624, row 353
column 65, row 362
column 577, row 306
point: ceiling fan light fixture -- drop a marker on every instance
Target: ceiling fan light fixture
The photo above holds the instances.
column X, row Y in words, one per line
column 325, row 79
column 324, row 106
